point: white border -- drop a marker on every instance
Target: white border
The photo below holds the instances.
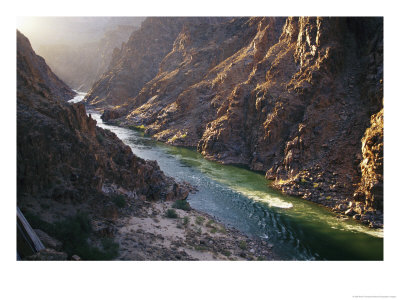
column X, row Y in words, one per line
column 197, row 280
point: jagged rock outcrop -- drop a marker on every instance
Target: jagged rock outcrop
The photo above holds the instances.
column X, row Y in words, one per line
column 35, row 76
column 291, row 97
column 138, row 60
column 65, row 163
column 371, row 186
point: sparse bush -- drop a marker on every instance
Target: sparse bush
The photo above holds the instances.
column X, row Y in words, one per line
column 181, row 204
column 100, row 138
column 200, row 220
column 171, row 213
column 243, row 245
column 200, row 248
column 210, row 223
column 119, row 200
column 226, row 252
column 222, row 229
column 74, row 232
column 186, row 220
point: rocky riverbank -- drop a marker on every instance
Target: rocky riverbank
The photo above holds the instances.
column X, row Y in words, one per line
column 157, row 230
column 155, row 233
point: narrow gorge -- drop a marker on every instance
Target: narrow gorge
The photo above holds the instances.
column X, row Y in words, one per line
column 207, row 138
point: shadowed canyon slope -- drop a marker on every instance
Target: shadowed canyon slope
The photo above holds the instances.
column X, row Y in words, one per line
column 292, row 97
column 65, row 163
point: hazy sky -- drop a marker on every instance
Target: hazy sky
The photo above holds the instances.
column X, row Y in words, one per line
column 67, row 30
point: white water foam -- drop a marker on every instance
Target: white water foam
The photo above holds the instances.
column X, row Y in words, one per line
column 264, row 197
column 78, row 98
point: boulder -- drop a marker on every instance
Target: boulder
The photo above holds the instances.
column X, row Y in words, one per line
column 350, row 212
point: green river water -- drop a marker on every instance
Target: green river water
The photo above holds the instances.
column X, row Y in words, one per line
column 239, row 198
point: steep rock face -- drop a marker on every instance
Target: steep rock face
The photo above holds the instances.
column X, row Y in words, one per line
column 64, row 159
column 34, row 74
column 81, row 65
column 291, row 97
column 371, row 186
column 138, row 60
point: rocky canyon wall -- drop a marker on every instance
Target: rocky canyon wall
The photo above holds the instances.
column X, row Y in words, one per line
column 64, row 161
column 291, row 97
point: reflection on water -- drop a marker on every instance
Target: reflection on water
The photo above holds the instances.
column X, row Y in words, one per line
column 240, row 198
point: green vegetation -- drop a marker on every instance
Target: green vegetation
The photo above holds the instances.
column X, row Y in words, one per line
column 222, row 230
column 186, row 220
column 181, row 204
column 243, row 245
column 119, row 200
column 213, row 230
column 200, row 220
column 100, row 138
column 226, row 252
column 200, row 248
column 171, row 213
column 328, row 198
column 210, row 223
column 74, row 232
column 315, row 185
column 137, row 127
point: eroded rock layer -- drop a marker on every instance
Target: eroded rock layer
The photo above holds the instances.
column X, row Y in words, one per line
column 292, row 97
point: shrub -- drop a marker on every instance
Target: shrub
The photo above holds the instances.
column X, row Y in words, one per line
column 199, row 220
column 226, row 252
column 316, row 185
column 222, row 230
column 100, row 138
column 185, row 220
column 181, row 204
column 171, row 213
column 200, row 248
column 210, row 223
column 243, row 245
column 74, row 232
column 119, row 200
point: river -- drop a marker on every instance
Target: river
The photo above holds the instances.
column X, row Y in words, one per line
column 240, row 198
